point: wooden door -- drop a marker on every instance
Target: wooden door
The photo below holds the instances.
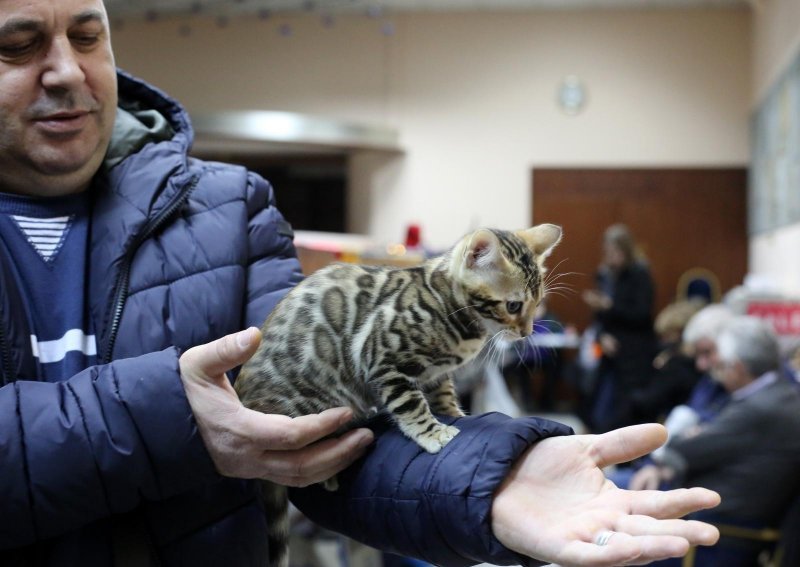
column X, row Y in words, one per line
column 681, row 218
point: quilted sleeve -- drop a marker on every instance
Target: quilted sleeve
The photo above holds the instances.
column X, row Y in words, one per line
column 97, row 444
column 433, row 507
column 273, row 266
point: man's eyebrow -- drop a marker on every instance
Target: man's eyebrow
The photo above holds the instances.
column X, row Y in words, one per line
column 17, row 25
column 88, row 16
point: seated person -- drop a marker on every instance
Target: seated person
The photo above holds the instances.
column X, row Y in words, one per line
column 706, row 398
column 792, row 366
column 750, row 452
column 700, row 336
column 674, row 371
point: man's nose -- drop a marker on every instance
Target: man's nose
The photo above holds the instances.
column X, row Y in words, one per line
column 63, row 68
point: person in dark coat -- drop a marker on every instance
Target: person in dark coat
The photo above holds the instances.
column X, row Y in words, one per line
column 749, row 452
column 622, row 303
column 127, row 272
column 675, row 373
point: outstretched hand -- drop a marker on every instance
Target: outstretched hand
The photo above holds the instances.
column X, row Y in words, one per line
column 247, row 444
column 556, row 503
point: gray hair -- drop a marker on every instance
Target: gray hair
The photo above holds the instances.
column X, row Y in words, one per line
column 752, row 342
column 707, row 323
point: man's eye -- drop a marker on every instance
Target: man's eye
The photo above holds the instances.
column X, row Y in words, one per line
column 17, row 49
column 85, row 40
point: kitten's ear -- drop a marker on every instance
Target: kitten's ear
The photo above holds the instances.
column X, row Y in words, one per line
column 482, row 250
column 541, row 239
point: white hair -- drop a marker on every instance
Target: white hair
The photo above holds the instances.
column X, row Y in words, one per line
column 752, row 342
column 707, row 323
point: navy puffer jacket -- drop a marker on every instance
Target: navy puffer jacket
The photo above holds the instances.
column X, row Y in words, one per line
column 183, row 252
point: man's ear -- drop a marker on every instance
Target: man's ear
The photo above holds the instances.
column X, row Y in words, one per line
column 541, row 239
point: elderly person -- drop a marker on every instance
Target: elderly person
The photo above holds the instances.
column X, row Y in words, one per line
column 750, row 452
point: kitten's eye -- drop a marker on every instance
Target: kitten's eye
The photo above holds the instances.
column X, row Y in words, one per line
column 513, row 307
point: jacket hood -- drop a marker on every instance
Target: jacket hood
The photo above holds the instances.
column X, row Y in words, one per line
column 145, row 115
column 147, row 162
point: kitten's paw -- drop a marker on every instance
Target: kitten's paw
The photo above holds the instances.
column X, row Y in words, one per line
column 455, row 411
column 434, row 440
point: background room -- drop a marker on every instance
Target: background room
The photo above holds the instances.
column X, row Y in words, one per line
column 390, row 129
column 452, row 115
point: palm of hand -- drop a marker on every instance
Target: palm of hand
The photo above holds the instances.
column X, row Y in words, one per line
column 556, row 501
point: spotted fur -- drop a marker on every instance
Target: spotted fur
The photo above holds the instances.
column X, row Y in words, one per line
column 379, row 338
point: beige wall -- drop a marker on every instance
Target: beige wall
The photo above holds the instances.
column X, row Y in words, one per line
column 473, row 96
column 776, row 41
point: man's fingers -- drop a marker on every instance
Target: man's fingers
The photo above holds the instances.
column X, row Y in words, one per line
column 214, row 358
column 672, row 503
column 317, row 462
column 628, row 443
column 281, row 433
column 624, row 549
column 696, row 533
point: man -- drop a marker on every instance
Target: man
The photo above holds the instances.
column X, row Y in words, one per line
column 750, row 452
column 708, row 396
column 119, row 253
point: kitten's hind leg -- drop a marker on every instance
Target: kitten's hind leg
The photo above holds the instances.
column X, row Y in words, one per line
column 410, row 410
column 443, row 399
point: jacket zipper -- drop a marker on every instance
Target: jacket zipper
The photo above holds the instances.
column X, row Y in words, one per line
column 123, row 280
column 5, row 349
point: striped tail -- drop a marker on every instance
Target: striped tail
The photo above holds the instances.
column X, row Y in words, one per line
column 276, row 507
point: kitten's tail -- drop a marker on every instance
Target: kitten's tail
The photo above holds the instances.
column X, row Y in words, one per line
column 276, row 507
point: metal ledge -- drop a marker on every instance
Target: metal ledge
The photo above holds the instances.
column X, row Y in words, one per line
column 287, row 132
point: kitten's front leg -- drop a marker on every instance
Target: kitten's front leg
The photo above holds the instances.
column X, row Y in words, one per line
column 443, row 399
column 409, row 408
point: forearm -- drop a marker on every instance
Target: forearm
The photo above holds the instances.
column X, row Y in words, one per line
column 94, row 445
column 435, row 507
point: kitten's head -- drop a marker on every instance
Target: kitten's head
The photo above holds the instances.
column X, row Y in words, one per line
column 502, row 274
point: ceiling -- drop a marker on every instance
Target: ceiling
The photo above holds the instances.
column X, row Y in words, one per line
column 378, row 8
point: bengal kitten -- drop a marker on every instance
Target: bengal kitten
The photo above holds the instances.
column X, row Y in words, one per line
column 377, row 338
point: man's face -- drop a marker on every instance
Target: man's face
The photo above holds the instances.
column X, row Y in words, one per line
column 705, row 355
column 730, row 375
column 58, row 94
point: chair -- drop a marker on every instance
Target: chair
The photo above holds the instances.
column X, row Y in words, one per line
column 787, row 553
column 736, row 543
column 698, row 283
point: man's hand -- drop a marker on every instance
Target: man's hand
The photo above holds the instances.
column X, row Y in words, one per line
column 597, row 300
column 556, row 502
column 247, row 444
column 648, row 477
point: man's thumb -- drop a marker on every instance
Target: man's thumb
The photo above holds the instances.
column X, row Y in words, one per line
column 217, row 357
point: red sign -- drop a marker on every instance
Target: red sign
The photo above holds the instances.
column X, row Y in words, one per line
column 784, row 316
